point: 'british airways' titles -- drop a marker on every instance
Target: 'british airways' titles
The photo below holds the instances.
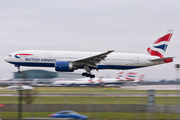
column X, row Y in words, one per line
column 40, row 59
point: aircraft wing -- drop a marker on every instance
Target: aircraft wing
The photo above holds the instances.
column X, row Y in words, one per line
column 92, row 60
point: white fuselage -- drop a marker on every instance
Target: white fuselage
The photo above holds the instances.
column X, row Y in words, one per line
column 44, row 58
column 111, row 80
column 80, row 81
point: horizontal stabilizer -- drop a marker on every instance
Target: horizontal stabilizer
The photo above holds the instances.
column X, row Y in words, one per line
column 157, row 59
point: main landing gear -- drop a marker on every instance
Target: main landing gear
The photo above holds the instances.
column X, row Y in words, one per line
column 88, row 75
column 88, row 72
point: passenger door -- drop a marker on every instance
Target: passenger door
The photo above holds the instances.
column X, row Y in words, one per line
column 136, row 60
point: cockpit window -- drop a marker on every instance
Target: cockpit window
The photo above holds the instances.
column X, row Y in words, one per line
column 9, row 55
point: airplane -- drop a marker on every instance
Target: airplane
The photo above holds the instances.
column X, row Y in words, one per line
column 5, row 79
column 136, row 80
column 20, row 87
column 129, row 78
column 11, row 81
column 98, row 81
column 80, row 81
column 68, row 61
column 118, row 80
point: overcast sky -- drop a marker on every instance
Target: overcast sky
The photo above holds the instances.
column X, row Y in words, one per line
column 128, row 26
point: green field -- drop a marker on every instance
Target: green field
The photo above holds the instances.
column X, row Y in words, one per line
column 87, row 90
column 100, row 115
column 92, row 100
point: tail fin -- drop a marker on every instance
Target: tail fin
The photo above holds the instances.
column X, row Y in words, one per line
column 131, row 76
column 120, row 74
column 159, row 46
column 91, row 81
column 100, row 79
column 141, row 77
column 138, row 79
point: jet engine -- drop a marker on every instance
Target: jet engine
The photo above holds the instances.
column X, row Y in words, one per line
column 64, row 66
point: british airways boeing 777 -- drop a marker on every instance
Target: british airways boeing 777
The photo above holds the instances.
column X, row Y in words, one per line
column 68, row 61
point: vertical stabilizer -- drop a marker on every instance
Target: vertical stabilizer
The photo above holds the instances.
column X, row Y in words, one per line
column 141, row 77
column 159, row 47
column 131, row 76
column 120, row 74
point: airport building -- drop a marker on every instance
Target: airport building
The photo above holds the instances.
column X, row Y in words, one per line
column 43, row 74
column 42, row 77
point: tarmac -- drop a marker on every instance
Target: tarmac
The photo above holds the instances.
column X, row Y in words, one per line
column 139, row 87
column 153, row 87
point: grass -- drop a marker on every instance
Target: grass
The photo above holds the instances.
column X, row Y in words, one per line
column 99, row 115
column 88, row 90
column 93, row 100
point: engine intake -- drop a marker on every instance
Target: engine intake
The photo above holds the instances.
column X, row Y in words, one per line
column 64, row 66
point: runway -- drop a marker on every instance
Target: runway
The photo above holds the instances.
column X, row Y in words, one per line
column 153, row 87
column 101, row 95
column 139, row 87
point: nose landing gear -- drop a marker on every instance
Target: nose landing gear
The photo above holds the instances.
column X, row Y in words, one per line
column 18, row 67
column 18, row 71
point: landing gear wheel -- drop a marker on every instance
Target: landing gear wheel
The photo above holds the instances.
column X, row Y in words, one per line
column 92, row 76
column 18, row 67
column 88, row 75
column 84, row 74
column 19, row 72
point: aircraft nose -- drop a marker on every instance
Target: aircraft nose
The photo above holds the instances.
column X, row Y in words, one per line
column 6, row 58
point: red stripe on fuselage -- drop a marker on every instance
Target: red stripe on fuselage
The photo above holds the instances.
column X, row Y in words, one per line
column 24, row 54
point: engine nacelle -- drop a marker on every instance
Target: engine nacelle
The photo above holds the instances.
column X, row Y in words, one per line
column 64, row 66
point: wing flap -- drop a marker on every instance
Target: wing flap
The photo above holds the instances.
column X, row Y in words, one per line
column 93, row 59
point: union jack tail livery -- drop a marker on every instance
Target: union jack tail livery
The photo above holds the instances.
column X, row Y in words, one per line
column 91, row 81
column 138, row 79
column 160, row 45
column 100, row 80
column 120, row 74
column 141, row 77
column 131, row 75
